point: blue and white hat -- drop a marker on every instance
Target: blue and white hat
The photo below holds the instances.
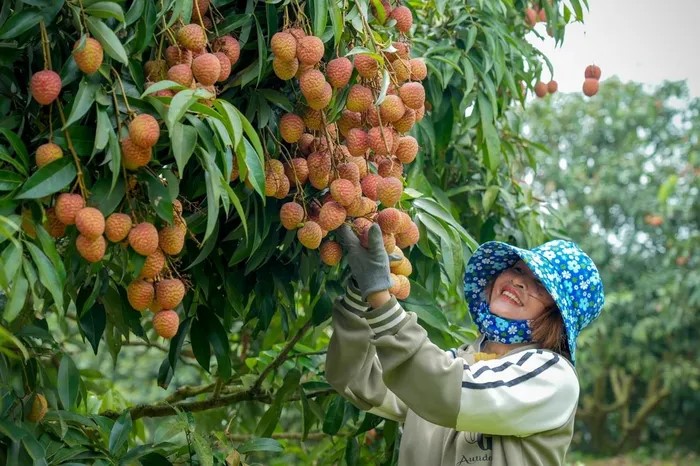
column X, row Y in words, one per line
column 568, row 274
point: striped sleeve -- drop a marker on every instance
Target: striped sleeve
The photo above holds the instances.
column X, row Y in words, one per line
column 352, row 367
column 519, row 394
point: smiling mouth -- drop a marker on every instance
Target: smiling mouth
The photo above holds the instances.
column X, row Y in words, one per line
column 512, row 297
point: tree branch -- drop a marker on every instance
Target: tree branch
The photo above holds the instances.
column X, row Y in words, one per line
column 282, row 356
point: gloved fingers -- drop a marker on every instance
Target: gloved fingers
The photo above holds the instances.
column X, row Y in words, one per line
column 395, row 257
column 375, row 240
column 348, row 239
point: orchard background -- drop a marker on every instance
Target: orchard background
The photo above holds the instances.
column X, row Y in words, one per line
column 190, row 327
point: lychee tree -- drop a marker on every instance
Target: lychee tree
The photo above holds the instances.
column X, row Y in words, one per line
column 171, row 176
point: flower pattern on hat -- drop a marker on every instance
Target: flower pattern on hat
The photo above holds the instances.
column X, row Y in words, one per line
column 568, row 274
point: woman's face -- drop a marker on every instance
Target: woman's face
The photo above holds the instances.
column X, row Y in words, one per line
column 517, row 294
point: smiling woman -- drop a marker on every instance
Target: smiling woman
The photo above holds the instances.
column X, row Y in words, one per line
column 513, row 391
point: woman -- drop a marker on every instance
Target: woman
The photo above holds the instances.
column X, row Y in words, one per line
column 510, row 397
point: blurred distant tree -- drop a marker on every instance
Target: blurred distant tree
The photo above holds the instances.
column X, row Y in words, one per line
column 624, row 170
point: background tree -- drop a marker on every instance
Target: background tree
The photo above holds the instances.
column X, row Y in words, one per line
column 198, row 160
column 622, row 170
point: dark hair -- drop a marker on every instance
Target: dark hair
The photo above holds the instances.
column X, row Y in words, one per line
column 549, row 332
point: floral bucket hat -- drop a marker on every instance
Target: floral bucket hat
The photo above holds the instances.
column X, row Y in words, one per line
column 568, row 274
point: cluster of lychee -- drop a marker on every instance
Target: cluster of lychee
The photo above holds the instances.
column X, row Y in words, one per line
column 535, row 15
column 151, row 290
column 355, row 164
column 542, row 89
column 192, row 61
column 591, row 82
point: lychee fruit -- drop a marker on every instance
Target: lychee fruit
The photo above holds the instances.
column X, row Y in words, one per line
column 312, row 83
column 47, row 153
column 90, row 222
column 391, row 109
column 332, row 215
column 310, row 234
column 291, row 127
column 530, row 17
column 53, row 225
column 143, row 238
column 283, row 187
column 117, row 227
column 309, row 50
column 381, row 139
column 590, row 87
column 171, row 239
column 349, row 171
column 402, row 267
column 357, row 142
column 338, row 72
column 331, row 252
column 67, row 206
column 348, row 120
column 144, row 130
column 552, row 86
column 407, row 150
column 366, row 66
column 45, row 86
column 230, row 46
column 153, row 265
column 291, row 215
column 409, row 237
column 285, row 70
column 297, row 171
column 181, row 74
column 39, row 408
column 412, row 94
column 540, row 89
column 225, row 65
column 403, row 17
column 592, row 71
column 92, row 250
column 169, row 293
column 359, row 98
column 133, row 155
column 389, row 191
column 155, row 70
column 402, row 287
column 88, row 57
column 342, row 191
column 389, row 220
column 322, row 100
column 192, row 37
column 419, row 71
column 206, row 69
column 175, row 55
column 166, row 323
column 284, row 46
column 406, row 122
column 402, row 69
column 369, row 185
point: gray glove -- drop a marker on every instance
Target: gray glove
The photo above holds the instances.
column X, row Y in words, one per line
column 369, row 267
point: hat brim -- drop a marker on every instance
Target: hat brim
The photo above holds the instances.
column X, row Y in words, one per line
column 493, row 257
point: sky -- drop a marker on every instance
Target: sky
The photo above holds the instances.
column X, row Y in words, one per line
column 637, row 40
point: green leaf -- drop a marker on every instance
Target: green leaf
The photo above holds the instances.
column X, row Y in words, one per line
column 119, row 435
column 269, row 421
column 220, row 345
column 93, row 323
column 47, row 274
column 161, row 86
column 159, row 197
column 115, row 158
column 9, row 181
column 83, row 101
column 10, row 260
column 199, row 339
column 489, row 198
column 109, row 40
column 20, row 23
column 334, row 415
column 667, row 188
column 19, row 148
column 68, row 382
column 179, row 105
column 183, row 139
column 104, row 126
column 106, row 10
column 106, row 199
column 260, row 444
column 49, row 179
column 254, row 166
column 320, row 12
column 17, row 297
column 48, row 246
column 352, row 451
column 384, row 88
column 322, row 310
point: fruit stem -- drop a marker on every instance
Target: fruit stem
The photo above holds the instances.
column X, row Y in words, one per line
column 51, row 123
column 45, row 47
column 126, row 101
column 81, row 183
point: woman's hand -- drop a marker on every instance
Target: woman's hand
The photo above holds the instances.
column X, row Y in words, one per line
column 369, row 267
